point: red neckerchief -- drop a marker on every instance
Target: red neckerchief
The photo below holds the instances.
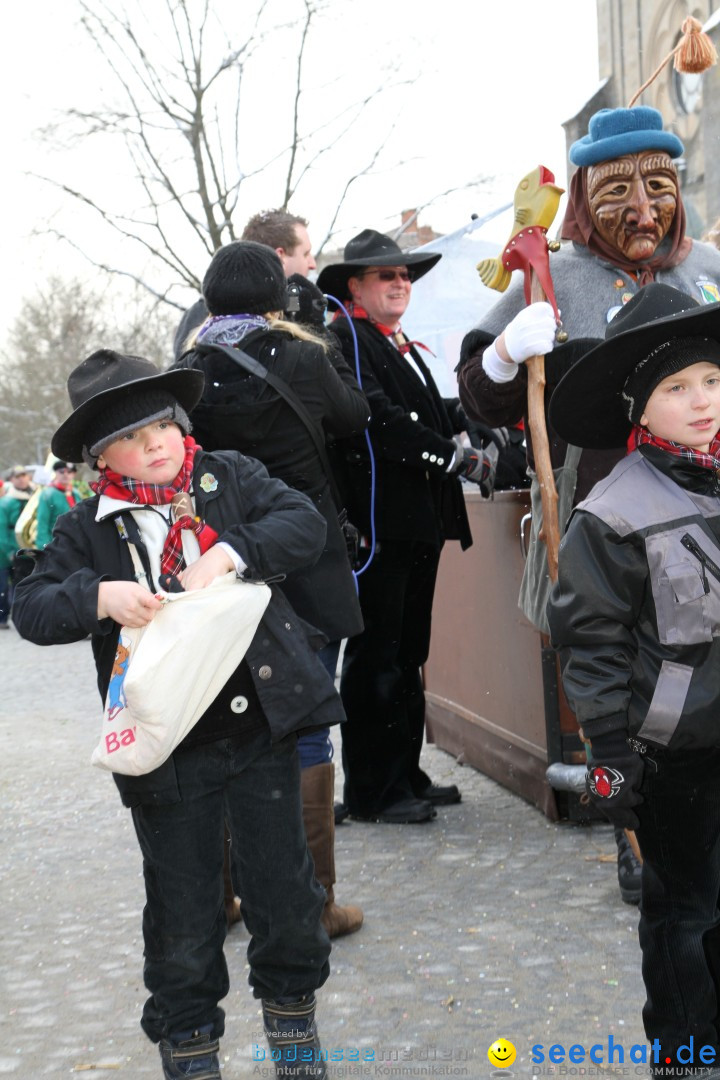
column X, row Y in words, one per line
column 578, row 226
column 403, row 344
column 116, row 486
column 640, row 436
column 67, row 492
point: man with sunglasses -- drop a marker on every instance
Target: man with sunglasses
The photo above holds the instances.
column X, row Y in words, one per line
column 410, row 503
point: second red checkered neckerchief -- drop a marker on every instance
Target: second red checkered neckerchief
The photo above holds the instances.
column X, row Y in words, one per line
column 116, row 486
column 640, row 436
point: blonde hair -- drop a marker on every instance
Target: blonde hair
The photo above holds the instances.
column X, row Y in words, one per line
column 275, row 322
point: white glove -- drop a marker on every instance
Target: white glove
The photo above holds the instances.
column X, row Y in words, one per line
column 531, row 332
column 498, row 370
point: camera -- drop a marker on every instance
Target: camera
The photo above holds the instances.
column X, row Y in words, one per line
column 292, row 301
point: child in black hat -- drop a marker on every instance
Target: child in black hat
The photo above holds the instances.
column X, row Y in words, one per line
column 635, row 614
column 240, row 760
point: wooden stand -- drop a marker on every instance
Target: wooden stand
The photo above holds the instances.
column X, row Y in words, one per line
column 494, row 698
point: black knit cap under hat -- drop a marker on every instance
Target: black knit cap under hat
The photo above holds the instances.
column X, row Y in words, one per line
column 244, row 278
column 112, row 394
column 669, row 358
column 371, row 248
column 658, row 332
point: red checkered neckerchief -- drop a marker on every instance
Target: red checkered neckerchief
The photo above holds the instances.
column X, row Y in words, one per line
column 403, row 344
column 640, row 436
column 116, row 486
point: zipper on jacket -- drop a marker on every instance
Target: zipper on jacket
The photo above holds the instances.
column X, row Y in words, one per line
column 705, row 561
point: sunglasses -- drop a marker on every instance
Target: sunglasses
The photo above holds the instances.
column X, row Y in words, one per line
column 390, row 275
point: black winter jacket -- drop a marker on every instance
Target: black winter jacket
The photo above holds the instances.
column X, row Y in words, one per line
column 634, row 612
column 412, row 431
column 241, row 412
column 273, row 528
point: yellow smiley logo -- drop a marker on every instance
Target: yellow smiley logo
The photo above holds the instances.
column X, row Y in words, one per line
column 501, row 1053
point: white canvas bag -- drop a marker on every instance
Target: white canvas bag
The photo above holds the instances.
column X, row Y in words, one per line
column 167, row 673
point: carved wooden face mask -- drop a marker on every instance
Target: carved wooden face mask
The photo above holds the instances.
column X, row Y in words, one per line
column 632, row 201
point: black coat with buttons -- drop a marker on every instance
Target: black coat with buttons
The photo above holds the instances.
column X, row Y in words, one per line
column 411, row 430
column 272, row 527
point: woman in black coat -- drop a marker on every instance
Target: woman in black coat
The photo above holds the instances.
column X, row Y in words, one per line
column 244, row 289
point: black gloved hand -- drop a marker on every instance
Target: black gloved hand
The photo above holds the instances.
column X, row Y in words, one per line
column 613, row 779
column 479, row 466
column 311, row 303
column 482, row 435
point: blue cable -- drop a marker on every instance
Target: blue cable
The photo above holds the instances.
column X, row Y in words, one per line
column 363, row 568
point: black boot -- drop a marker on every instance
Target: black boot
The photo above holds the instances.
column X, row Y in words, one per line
column 192, row 1055
column 629, row 869
column 292, row 1036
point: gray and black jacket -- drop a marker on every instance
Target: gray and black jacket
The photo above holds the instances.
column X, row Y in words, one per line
column 635, row 612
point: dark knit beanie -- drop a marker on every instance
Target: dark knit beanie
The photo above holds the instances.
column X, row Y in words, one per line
column 667, row 359
column 125, row 414
column 244, row 278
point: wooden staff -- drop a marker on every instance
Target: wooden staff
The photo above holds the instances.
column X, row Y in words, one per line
column 550, row 531
column 536, row 201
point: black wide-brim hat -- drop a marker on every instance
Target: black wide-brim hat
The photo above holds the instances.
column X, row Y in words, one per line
column 107, row 378
column 587, row 408
column 371, row 248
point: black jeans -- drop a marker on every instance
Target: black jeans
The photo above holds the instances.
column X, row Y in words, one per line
column 257, row 786
column 679, row 930
column 381, row 684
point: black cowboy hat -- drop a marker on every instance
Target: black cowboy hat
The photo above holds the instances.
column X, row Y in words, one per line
column 108, row 379
column 371, row 248
column 587, row 407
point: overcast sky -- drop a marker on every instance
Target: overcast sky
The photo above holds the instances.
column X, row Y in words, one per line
column 496, row 81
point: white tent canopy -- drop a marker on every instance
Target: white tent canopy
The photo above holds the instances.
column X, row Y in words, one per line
column 450, row 299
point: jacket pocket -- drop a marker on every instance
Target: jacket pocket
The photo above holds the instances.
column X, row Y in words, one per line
column 687, row 599
column 668, row 702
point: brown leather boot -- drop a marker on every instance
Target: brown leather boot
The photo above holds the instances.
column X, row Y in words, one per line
column 232, row 902
column 318, row 786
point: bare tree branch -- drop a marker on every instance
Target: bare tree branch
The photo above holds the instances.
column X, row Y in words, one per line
column 184, row 120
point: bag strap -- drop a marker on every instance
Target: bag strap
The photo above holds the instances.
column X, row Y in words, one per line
column 572, row 456
column 130, row 533
column 254, row 367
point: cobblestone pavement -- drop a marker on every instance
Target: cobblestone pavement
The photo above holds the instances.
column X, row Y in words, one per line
column 490, row 922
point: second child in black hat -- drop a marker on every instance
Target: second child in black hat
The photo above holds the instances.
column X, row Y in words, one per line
column 197, row 515
column 635, row 614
